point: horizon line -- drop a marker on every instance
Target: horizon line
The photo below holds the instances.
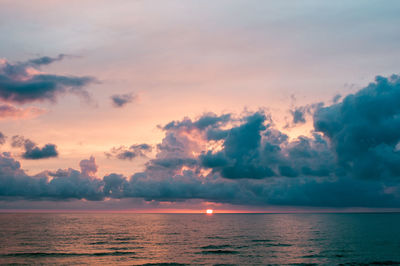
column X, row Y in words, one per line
column 180, row 211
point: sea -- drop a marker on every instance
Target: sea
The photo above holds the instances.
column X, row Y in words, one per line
column 199, row 239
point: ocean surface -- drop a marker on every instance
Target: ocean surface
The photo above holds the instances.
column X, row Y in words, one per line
column 245, row 239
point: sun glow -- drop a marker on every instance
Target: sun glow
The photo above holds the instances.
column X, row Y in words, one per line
column 209, row 211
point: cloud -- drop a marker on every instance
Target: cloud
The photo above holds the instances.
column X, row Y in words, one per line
column 89, row 167
column 67, row 184
column 32, row 151
column 124, row 153
column 120, row 100
column 363, row 129
column 2, row 138
column 45, row 60
column 10, row 111
column 299, row 113
column 22, row 82
column 336, row 98
column 241, row 153
column 256, row 150
column 351, row 159
column 60, row 185
column 206, row 121
column 279, row 191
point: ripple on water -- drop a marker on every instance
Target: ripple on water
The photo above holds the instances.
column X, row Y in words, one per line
column 387, row 262
column 269, row 244
column 313, row 256
column 216, row 237
column 261, row 240
column 61, row 254
column 119, row 248
column 125, row 238
column 219, row 251
column 237, row 239
column 98, row 243
column 163, row 264
column 216, row 246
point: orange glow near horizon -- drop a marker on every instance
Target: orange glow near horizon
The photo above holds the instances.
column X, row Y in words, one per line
column 201, row 211
column 177, row 211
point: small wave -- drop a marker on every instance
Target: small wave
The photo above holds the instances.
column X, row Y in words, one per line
column 268, row 244
column 304, row 264
column 313, row 256
column 216, row 237
column 219, row 251
column 240, row 247
column 59, row 254
column 261, row 240
column 103, row 233
column 388, row 262
column 118, row 248
column 25, row 244
column 316, row 239
column 163, row 264
column 124, row 238
column 278, row 245
column 115, row 253
column 98, row 243
column 216, row 246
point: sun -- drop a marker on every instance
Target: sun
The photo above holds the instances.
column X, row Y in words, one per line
column 209, row 211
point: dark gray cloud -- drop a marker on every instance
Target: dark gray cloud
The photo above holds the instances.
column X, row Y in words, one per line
column 32, row 151
column 21, row 82
column 350, row 160
column 363, row 129
column 124, row 153
column 323, row 192
column 59, row 185
column 206, row 121
column 241, row 156
column 256, row 150
column 66, row 184
column 300, row 113
column 336, row 98
column 120, row 100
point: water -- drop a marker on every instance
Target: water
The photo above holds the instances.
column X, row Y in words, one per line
column 130, row 239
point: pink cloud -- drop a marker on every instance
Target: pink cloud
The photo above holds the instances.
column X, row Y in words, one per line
column 8, row 111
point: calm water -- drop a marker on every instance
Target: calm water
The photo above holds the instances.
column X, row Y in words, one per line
column 131, row 239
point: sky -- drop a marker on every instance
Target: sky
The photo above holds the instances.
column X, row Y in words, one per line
column 189, row 104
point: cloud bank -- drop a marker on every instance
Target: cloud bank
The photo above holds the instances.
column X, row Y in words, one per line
column 351, row 159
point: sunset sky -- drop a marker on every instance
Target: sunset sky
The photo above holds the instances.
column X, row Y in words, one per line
column 191, row 104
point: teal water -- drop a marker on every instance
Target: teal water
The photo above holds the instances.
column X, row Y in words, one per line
column 245, row 239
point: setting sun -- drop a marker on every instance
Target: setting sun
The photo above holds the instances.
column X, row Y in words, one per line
column 122, row 124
